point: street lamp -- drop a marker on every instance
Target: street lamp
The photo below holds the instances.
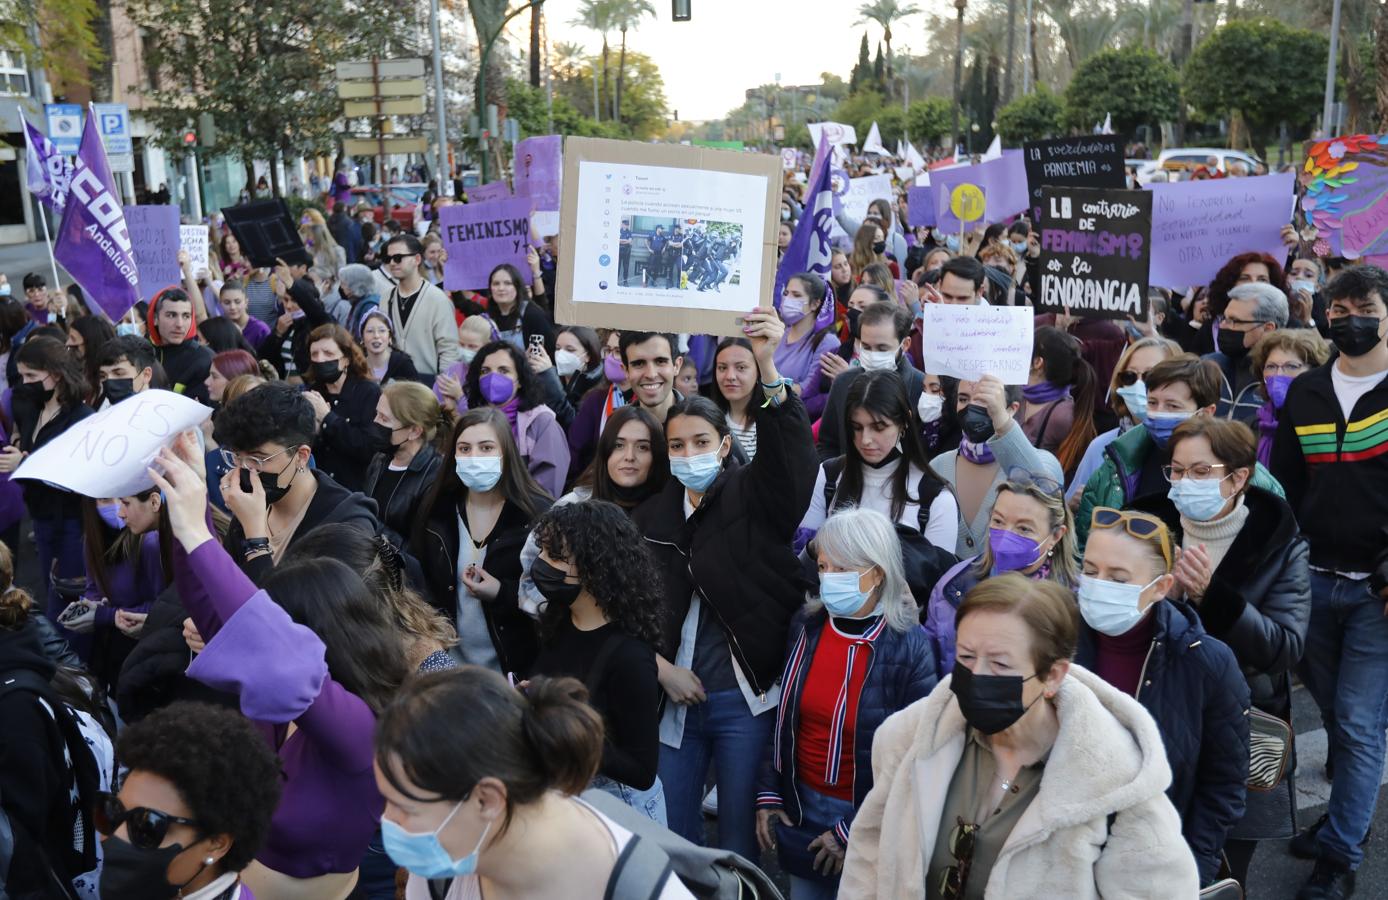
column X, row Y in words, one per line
column 482, row 68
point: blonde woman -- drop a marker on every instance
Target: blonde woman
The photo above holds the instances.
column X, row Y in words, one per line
column 404, row 432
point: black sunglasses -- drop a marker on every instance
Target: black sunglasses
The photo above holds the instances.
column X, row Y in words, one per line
column 147, row 828
column 1127, row 379
column 397, row 257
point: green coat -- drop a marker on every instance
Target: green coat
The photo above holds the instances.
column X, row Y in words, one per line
column 1115, row 481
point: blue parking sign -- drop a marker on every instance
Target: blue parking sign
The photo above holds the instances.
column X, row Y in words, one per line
column 64, row 126
column 113, row 124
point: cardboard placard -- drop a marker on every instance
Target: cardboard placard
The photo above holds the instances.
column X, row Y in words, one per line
column 1198, row 225
column 727, row 206
column 972, row 341
column 862, row 191
column 1089, row 160
column 154, row 241
column 920, row 206
column 1095, row 252
column 197, row 243
column 265, row 232
column 539, row 172
column 1346, row 195
column 481, row 236
column 106, row 454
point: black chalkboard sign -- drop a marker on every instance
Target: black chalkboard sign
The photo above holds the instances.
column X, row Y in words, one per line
column 1094, row 160
column 266, row 233
column 1096, row 250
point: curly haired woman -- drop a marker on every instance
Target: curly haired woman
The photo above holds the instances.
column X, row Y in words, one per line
column 599, row 625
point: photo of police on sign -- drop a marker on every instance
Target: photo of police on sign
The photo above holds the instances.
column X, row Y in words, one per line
column 1095, row 252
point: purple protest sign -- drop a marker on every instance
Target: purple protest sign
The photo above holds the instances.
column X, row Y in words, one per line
column 539, row 170
column 1198, row 225
column 478, row 237
column 495, row 190
column 93, row 243
column 1003, row 182
column 920, row 205
column 156, row 239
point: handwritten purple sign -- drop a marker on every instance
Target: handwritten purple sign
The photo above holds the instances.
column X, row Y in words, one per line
column 481, row 236
column 155, row 241
column 1198, row 225
column 539, row 170
column 495, row 190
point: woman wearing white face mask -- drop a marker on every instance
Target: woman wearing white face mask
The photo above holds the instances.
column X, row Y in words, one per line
column 480, row 782
column 1157, row 650
column 1243, row 569
column 471, row 527
column 577, row 368
column 858, row 638
column 720, row 534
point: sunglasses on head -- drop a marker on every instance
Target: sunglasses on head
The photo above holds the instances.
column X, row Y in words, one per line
column 145, row 827
column 1139, row 525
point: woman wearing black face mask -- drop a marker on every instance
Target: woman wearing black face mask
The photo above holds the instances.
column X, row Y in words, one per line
column 344, row 404
column 193, row 809
column 1016, row 725
column 407, row 424
column 599, row 625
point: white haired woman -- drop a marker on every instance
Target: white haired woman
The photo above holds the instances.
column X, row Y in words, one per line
column 856, row 655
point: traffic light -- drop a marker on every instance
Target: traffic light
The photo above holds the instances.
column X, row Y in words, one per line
column 190, row 138
column 679, row 10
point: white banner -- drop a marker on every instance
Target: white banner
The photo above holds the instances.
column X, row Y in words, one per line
column 972, row 341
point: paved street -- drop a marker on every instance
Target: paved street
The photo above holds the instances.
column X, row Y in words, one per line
column 16, row 260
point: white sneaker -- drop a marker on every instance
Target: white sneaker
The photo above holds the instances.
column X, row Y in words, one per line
column 710, row 804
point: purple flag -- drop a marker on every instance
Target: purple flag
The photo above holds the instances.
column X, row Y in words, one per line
column 93, row 243
column 481, row 236
column 46, row 171
column 539, row 169
column 809, row 249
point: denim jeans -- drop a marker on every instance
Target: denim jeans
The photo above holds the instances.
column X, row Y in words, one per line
column 1345, row 668
column 820, row 813
column 60, row 540
column 650, row 802
column 377, row 875
column 721, row 730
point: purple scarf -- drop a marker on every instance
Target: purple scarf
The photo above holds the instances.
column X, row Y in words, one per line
column 1045, row 392
column 1267, row 427
column 979, row 454
column 511, row 408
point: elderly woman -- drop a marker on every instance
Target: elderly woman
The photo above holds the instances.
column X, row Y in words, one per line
column 855, row 645
column 1253, row 310
column 1278, row 358
column 1015, row 726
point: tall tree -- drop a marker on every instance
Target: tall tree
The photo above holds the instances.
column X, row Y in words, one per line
column 1011, row 51
column 537, row 16
column 627, row 14
column 59, row 36
column 884, row 13
column 1381, row 63
column 596, row 15
column 487, row 16
column 862, row 70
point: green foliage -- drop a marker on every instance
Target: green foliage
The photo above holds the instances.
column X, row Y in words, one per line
column 1261, row 68
column 859, row 109
column 528, row 107
column 1135, row 86
column 1032, row 117
column 892, row 123
column 68, row 47
column 644, row 107
column 929, row 120
column 862, row 70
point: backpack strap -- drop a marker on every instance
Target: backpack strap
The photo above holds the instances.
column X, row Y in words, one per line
column 641, row 872
column 926, row 491
column 833, row 470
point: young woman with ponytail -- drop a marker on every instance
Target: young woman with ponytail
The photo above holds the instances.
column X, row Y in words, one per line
column 479, row 780
column 1058, row 407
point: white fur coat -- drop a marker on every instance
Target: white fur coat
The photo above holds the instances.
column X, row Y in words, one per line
column 1107, row 758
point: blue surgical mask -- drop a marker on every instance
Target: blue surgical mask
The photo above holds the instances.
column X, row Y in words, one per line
column 952, row 243
column 1019, row 247
column 841, row 592
column 1198, row 499
column 1161, row 424
column 1110, row 607
column 110, row 514
column 423, row 855
column 696, row 472
column 1135, row 398
column 479, row 473
column 125, row 328
column 1303, row 285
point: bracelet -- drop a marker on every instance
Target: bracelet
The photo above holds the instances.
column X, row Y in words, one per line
column 255, row 545
column 781, row 382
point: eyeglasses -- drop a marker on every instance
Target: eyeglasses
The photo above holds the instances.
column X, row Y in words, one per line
column 1238, row 324
column 247, row 461
column 962, row 838
column 1024, row 477
column 147, row 828
column 393, row 258
column 1139, row 525
column 1198, row 471
column 1291, row 368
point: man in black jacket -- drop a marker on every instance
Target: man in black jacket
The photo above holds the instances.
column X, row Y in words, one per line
column 186, row 362
column 883, row 337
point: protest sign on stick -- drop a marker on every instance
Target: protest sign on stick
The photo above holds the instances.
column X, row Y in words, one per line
column 106, row 454
column 155, row 240
column 538, row 175
column 1198, row 225
column 703, row 232
column 196, row 242
column 1095, row 252
column 972, row 341
column 481, row 236
column 1085, row 161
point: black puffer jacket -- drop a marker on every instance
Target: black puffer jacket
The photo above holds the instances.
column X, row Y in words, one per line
column 343, row 446
column 736, row 548
column 402, row 506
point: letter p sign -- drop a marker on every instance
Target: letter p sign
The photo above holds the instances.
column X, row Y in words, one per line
column 112, row 123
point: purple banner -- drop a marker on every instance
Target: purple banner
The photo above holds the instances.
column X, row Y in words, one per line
column 809, row 249
column 156, row 240
column 539, row 170
column 93, row 244
column 1198, row 225
column 47, row 172
column 495, row 190
column 1003, row 182
column 920, row 205
column 481, row 236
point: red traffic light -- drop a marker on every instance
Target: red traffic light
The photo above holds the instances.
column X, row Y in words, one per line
column 190, row 137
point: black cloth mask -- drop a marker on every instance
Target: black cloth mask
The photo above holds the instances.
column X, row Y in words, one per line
column 976, row 424
column 1355, row 335
column 129, row 873
column 549, row 580
column 990, row 703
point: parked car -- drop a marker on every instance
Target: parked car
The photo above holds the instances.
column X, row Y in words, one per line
column 397, row 199
column 1181, row 161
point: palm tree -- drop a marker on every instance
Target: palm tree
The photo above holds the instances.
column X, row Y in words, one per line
column 626, row 14
column 566, row 60
column 1381, row 64
column 596, row 15
column 884, row 13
